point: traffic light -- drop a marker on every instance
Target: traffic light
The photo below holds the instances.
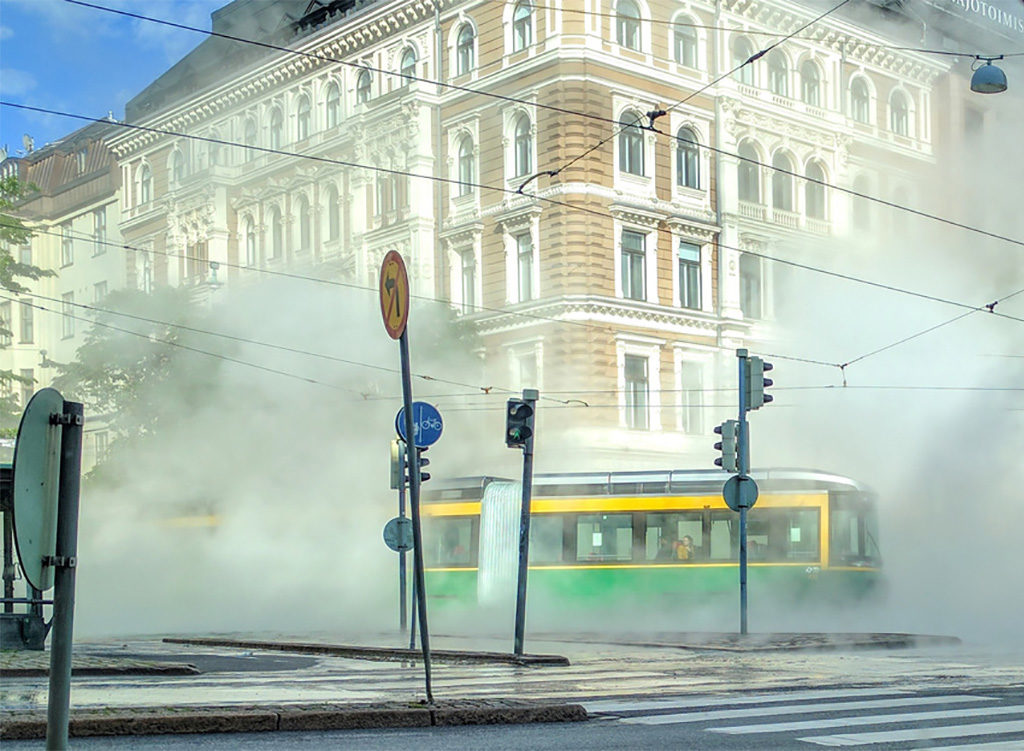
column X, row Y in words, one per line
column 422, row 461
column 518, row 423
column 757, row 383
column 729, row 459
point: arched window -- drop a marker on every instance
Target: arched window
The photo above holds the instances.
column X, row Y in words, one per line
column 522, row 27
column 464, row 61
column 742, row 49
column 363, row 87
column 782, row 182
column 810, row 84
column 276, row 233
column 276, row 129
column 631, row 144
column 748, row 175
column 333, row 214
column 145, row 184
column 814, row 191
column 860, row 101
column 305, row 224
column 627, row 24
column 467, row 171
column 302, row 119
column 408, row 67
column 250, row 137
column 523, row 145
column 177, row 167
column 250, row 242
column 687, row 159
column 333, row 106
column 685, row 39
column 899, row 114
column 778, row 73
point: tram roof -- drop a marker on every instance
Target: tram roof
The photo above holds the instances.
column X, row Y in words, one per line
column 648, row 481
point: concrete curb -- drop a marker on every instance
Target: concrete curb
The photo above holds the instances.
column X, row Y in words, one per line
column 764, row 642
column 169, row 720
column 379, row 653
column 87, row 670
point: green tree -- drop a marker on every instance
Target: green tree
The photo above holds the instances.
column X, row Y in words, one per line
column 13, row 233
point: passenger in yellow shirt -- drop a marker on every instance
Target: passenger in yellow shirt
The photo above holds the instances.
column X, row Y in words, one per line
column 684, row 551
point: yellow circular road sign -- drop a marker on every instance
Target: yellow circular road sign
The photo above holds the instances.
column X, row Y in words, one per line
column 394, row 294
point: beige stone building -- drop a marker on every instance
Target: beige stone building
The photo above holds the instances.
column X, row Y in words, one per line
column 584, row 180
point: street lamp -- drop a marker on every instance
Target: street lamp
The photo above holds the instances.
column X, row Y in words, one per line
column 988, row 78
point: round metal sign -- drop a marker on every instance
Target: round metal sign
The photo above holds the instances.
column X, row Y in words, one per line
column 398, row 534
column 427, row 424
column 34, row 488
column 394, row 294
column 739, row 492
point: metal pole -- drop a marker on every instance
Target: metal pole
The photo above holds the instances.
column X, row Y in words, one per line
column 412, row 631
column 402, row 593
column 743, row 451
column 530, row 396
column 8, row 562
column 414, row 505
column 64, row 578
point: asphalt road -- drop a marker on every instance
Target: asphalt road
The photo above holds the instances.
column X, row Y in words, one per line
column 867, row 718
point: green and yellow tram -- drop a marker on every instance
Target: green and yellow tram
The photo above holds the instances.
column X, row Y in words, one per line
column 599, row 538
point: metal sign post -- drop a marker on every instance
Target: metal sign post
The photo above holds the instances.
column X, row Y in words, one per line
column 394, row 306
column 743, row 456
column 64, row 562
column 398, row 483
column 530, row 397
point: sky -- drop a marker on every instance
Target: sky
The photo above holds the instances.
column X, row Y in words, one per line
column 60, row 56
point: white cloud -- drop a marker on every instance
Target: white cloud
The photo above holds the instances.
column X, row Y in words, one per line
column 170, row 42
column 16, row 82
column 6, row 32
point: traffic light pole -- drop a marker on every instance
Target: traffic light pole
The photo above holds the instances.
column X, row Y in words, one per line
column 743, row 457
column 530, row 396
column 412, row 462
column 403, row 617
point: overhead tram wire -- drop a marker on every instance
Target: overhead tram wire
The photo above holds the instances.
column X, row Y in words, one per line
column 658, row 113
column 554, row 108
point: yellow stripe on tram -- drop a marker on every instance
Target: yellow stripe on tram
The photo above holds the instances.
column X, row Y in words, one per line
column 637, row 503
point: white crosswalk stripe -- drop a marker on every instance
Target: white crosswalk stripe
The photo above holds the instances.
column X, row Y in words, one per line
column 917, row 719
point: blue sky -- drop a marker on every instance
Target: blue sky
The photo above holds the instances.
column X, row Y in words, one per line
column 65, row 57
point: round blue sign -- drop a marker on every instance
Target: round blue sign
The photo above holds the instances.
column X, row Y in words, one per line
column 426, row 424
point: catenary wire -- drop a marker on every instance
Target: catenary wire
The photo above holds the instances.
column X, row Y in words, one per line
column 539, row 105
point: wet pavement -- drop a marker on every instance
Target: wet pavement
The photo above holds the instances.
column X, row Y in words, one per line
column 248, row 679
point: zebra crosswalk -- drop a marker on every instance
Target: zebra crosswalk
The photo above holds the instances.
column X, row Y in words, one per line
column 863, row 718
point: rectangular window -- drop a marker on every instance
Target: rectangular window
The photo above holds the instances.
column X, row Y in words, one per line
column 775, row 535
column 6, row 321
column 691, row 397
column 750, row 286
column 67, row 247
column 99, row 291
column 524, row 264
column 634, row 265
column 604, row 537
column 102, row 442
column 28, row 325
column 450, row 542
column 67, row 309
column 527, row 364
column 25, row 254
column 637, row 396
column 546, row 539
column 689, row 275
column 468, row 281
column 674, row 538
column 28, row 385
column 99, row 231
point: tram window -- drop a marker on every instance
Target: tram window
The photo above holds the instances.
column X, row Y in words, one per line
column 604, row 537
column 673, row 528
column 546, row 539
column 724, row 539
column 449, row 542
column 854, row 535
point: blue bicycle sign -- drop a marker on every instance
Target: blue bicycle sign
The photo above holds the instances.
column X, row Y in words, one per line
column 427, row 424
